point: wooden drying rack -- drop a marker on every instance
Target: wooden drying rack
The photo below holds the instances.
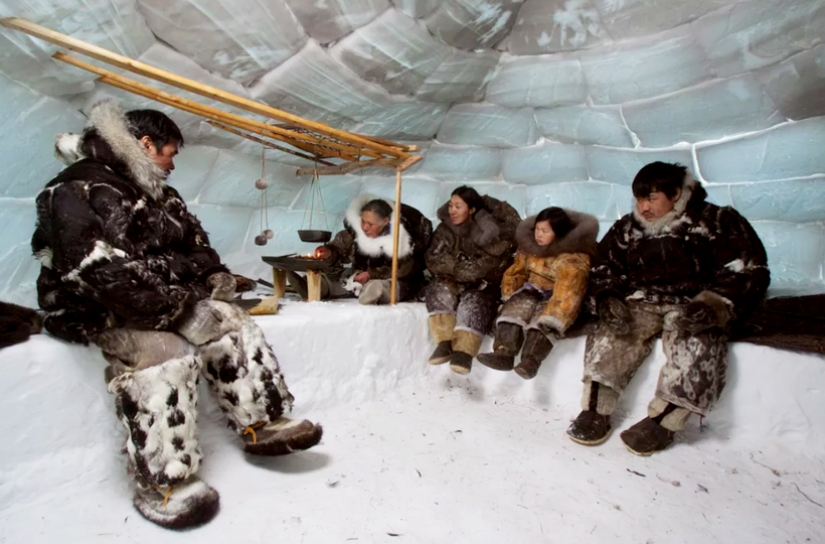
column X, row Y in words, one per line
column 309, row 140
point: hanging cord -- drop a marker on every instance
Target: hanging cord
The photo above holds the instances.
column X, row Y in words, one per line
column 321, row 198
column 265, row 193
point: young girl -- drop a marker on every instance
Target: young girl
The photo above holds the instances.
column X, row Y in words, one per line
column 544, row 288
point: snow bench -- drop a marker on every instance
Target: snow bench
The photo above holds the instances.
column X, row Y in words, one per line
column 362, row 372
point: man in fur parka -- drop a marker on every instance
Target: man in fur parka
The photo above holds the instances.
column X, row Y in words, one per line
column 469, row 252
column 544, row 288
column 678, row 266
column 127, row 267
column 366, row 243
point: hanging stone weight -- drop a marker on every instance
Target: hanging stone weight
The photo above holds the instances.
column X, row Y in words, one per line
column 269, row 234
column 260, row 240
column 261, row 184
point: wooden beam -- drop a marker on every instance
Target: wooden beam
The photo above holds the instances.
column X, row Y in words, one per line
column 264, row 143
column 192, row 86
column 304, row 141
column 245, row 126
column 409, row 162
column 339, row 169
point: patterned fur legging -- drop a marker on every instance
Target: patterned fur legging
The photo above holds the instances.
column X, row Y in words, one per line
column 475, row 306
column 692, row 378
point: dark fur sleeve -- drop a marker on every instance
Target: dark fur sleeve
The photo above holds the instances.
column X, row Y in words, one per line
column 130, row 284
column 608, row 276
column 342, row 246
column 440, row 257
column 741, row 264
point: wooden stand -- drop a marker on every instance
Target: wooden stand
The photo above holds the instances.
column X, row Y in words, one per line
column 278, row 283
column 313, row 285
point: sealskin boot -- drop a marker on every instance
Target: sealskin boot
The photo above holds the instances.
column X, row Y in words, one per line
column 590, row 428
column 508, row 341
column 465, row 347
column 536, row 349
column 281, row 437
column 648, row 436
column 441, row 329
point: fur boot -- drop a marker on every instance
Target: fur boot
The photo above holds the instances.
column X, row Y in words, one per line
column 536, row 349
column 465, row 347
column 441, row 328
column 158, row 407
column 17, row 323
column 250, row 388
column 507, row 344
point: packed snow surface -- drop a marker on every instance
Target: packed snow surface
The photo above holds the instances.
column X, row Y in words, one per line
column 415, row 453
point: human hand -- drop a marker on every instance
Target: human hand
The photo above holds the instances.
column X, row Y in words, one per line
column 697, row 317
column 615, row 315
column 362, row 277
column 323, row 252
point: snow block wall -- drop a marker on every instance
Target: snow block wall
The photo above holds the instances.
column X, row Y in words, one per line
column 539, row 102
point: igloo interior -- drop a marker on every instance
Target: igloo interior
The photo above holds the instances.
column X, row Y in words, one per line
column 536, row 102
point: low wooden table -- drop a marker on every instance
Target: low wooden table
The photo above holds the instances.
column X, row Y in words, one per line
column 312, row 266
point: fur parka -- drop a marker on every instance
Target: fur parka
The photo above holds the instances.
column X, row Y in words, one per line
column 374, row 255
column 563, row 266
column 697, row 251
column 117, row 246
column 479, row 250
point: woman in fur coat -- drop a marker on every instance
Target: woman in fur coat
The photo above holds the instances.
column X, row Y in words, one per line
column 469, row 252
column 366, row 243
column 544, row 288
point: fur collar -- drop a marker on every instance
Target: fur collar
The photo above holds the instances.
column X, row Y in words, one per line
column 381, row 245
column 107, row 138
column 482, row 227
column 582, row 239
column 692, row 192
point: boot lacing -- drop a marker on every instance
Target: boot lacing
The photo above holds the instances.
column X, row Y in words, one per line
column 251, row 430
column 166, row 494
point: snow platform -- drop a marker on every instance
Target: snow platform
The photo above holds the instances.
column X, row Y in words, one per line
column 414, row 453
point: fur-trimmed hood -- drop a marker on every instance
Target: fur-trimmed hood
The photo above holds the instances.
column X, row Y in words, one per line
column 107, row 139
column 581, row 239
column 382, row 244
column 482, row 227
column 692, row 193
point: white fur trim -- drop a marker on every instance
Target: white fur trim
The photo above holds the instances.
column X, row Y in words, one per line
column 111, row 123
column 101, row 251
column 468, row 329
column 67, row 148
column 381, row 245
column 513, row 320
column 674, row 217
column 550, row 322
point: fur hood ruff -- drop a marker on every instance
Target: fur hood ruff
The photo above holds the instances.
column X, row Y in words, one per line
column 107, row 122
column 380, row 245
column 692, row 192
column 582, row 239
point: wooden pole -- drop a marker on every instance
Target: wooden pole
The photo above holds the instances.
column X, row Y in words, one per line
column 396, row 227
column 192, row 86
column 297, row 139
column 313, row 285
column 345, row 168
column 264, row 143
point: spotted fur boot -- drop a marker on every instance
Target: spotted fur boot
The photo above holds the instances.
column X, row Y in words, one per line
column 244, row 374
column 158, row 408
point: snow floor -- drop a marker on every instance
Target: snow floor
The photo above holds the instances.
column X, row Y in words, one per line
column 414, row 453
